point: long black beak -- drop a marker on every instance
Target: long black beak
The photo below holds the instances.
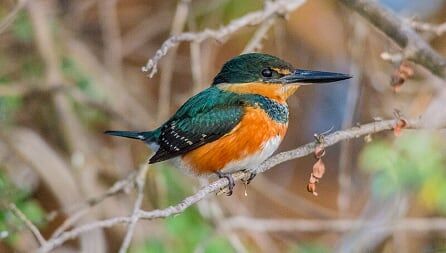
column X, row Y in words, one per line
column 310, row 76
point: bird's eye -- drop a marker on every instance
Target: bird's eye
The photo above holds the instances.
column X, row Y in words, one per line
column 267, row 72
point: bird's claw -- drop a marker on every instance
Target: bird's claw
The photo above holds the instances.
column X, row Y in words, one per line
column 230, row 179
column 248, row 179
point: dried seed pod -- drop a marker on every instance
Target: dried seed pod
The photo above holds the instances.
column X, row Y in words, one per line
column 311, row 187
column 400, row 75
column 318, row 169
column 401, row 124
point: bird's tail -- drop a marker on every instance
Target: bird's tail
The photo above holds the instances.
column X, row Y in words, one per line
column 147, row 137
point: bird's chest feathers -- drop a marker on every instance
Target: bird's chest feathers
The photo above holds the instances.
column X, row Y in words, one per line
column 251, row 142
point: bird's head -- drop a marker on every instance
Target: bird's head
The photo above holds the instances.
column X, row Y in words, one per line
column 269, row 76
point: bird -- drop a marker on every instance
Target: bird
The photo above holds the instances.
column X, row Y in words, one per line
column 236, row 123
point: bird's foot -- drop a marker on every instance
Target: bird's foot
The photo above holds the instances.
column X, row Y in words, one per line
column 230, row 179
column 249, row 178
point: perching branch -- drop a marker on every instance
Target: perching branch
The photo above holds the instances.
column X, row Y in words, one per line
column 415, row 48
column 279, row 7
column 329, row 140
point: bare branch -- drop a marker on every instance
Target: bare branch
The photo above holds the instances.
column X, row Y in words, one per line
column 427, row 27
column 280, row 7
column 140, row 182
column 165, row 90
column 301, row 151
column 34, row 230
column 416, row 49
column 256, row 42
column 116, row 188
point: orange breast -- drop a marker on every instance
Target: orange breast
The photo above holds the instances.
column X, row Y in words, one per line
column 245, row 139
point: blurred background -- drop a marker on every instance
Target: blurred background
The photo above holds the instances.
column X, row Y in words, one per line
column 71, row 69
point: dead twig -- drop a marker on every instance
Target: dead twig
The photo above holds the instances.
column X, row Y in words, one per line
column 280, row 7
column 140, row 182
column 415, row 48
column 255, row 43
column 116, row 188
column 178, row 23
column 34, row 230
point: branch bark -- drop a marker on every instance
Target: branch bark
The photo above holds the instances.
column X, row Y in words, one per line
column 280, row 7
column 415, row 48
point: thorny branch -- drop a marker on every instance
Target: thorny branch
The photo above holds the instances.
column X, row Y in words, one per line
column 301, row 151
column 280, row 7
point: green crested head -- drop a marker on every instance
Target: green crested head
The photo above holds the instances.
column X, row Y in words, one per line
column 252, row 67
column 264, row 68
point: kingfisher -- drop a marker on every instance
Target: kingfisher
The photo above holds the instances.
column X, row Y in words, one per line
column 236, row 123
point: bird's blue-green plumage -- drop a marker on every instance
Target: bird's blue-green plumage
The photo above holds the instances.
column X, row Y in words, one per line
column 214, row 112
column 206, row 117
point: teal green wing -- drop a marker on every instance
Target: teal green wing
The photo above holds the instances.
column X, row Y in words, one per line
column 203, row 119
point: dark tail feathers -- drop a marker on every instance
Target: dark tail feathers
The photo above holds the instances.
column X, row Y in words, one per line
column 143, row 136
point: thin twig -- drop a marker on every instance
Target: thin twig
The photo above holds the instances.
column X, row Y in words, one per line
column 255, row 43
column 301, row 151
column 9, row 19
column 113, row 190
column 280, row 7
column 165, row 89
column 34, row 230
column 140, row 182
column 416, row 48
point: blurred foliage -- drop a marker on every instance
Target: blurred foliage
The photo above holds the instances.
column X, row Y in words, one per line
column 9, row 193
column 82, row 81
column 8, row 106
column 29, row 67
column 22, row 28
column 309, row 248
column 412, row 162
column 88, row 115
